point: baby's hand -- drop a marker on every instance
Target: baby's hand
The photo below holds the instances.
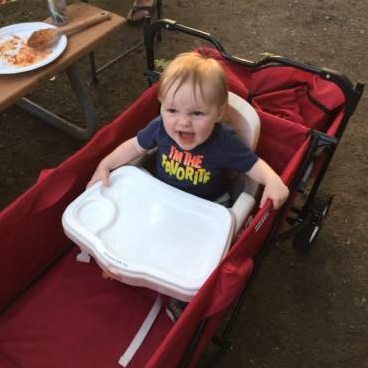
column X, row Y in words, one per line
column 101, row 173
column 277, row 191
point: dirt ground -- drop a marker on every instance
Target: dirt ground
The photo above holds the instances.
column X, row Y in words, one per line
column 303, row 311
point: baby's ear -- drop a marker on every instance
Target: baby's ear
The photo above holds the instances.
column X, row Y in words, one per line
column 223, row 111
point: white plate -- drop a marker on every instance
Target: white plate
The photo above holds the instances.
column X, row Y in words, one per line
column 24, row 30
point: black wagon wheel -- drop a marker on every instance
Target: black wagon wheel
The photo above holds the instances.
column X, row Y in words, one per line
column 312, row 224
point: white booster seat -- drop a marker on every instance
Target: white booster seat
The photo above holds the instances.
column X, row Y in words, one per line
column 148, row 233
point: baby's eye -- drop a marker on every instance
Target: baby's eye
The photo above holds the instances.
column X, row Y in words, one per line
column 198, row 113
column 171, row 111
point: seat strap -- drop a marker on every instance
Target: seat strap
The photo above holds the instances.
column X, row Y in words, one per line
column 142, row 332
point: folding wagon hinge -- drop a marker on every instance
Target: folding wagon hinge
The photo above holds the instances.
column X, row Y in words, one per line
column 323, row 140
column 320, row 141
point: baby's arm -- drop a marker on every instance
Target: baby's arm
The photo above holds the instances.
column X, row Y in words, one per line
column 274, row 189
column 126, row 152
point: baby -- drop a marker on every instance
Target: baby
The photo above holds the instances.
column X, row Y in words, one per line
column 194, row 149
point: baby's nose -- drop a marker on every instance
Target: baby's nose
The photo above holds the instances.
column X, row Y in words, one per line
column 185, row 121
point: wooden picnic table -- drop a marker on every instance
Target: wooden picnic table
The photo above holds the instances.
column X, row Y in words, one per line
column 13, row 87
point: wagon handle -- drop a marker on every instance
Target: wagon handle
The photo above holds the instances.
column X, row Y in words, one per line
column 152, row 29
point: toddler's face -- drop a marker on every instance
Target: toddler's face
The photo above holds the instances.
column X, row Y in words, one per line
column 188, row 120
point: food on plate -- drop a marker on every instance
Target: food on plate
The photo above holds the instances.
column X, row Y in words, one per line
column 15, row 51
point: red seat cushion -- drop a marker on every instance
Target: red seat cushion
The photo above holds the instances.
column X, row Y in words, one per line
column 72, row 317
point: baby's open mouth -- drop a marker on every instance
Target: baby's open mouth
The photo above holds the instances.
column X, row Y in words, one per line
column 186, row 136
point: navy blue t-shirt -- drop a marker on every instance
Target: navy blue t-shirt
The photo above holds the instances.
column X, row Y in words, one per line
column 200, row 171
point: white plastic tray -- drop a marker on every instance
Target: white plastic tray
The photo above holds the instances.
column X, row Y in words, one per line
column 150, row 234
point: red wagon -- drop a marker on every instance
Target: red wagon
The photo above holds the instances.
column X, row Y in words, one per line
column 58, row 313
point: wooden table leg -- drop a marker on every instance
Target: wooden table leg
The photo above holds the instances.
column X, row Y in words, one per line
column 66, row 126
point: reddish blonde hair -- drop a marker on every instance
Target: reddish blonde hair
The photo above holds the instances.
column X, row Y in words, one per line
column 201, row 71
